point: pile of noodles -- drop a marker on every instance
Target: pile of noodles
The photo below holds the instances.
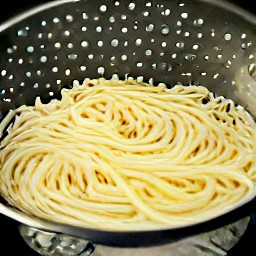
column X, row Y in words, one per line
column 127, row 155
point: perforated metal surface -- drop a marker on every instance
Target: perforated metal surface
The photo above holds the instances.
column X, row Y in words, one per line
column 185, row 41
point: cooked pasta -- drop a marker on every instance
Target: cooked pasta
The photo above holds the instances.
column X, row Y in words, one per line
column 126, row 155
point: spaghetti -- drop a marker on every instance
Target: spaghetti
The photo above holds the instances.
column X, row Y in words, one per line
column 127, row 155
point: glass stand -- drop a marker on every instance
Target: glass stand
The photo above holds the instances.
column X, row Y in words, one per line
column 214, row 243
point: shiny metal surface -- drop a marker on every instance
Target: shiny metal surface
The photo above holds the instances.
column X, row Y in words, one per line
column 206, row 42
column 213, row 243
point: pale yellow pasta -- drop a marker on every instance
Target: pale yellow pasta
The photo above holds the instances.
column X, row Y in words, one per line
column 126, row 155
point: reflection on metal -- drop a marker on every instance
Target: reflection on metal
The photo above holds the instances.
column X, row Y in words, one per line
column 214, row 243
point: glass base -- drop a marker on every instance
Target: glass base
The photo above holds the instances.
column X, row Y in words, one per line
column 214, row 243
column 54, row 244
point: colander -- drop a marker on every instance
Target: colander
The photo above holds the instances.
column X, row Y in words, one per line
column 206, row 42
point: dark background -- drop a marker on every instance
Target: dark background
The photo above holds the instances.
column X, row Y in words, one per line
column 10, row 239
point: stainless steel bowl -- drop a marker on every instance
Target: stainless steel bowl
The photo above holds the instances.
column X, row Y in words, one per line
column 205, row 42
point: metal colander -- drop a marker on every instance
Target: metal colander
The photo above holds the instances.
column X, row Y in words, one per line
column 206, row 42
column 200, row 42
